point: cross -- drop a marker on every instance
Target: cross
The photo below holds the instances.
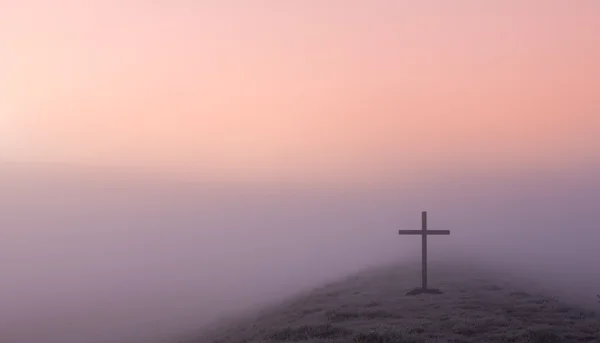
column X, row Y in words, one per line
column 424, row 233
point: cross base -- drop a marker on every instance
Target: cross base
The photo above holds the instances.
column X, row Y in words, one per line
column 419, row 291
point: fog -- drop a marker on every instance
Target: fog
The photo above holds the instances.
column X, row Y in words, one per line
column 97, row 260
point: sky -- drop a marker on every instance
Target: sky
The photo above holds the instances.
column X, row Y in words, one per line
column 301, row 90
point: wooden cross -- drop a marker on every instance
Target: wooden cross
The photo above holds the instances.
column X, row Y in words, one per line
column 424, row 233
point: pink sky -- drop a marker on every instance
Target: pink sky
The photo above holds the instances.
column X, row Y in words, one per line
column 306, row 90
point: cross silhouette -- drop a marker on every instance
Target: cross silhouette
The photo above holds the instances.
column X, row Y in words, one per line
column 424, row 233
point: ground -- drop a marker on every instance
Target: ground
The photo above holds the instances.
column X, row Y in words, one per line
column 372, row 307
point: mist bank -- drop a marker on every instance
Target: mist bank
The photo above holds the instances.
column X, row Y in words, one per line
column 101, row 258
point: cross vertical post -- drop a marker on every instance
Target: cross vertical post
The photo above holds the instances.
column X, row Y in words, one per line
column 424, row 249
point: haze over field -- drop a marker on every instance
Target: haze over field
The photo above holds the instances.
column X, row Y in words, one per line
column 167, row 164
column 105, row 260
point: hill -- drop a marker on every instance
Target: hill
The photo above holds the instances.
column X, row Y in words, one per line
column 372, row 307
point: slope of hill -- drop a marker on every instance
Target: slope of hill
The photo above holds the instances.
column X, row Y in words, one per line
column 372, row 307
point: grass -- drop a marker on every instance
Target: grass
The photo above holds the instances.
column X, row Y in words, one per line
column 372, row 307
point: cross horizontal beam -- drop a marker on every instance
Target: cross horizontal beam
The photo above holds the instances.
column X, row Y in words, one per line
column 424, row 232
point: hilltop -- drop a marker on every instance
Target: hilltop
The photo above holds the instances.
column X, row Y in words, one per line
column 372, row 307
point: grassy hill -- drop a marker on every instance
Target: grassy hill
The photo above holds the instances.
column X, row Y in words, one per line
column 372, row 307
